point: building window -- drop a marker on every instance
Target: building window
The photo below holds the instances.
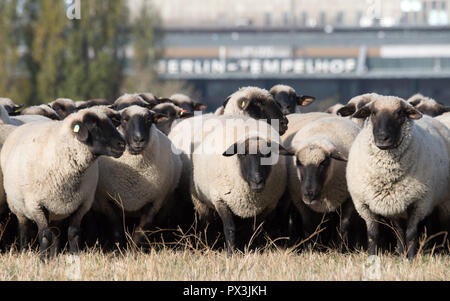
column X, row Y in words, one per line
column 285, row 18
column 304, row 19
column 322, row 18
column 340, row 18
column 267, row 19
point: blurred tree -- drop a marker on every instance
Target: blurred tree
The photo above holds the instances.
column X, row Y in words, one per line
column 96, row 47
column 9, row 50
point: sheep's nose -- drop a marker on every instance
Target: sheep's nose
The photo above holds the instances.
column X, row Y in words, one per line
column 120, row 144
column 138, row 138
column 383, row 136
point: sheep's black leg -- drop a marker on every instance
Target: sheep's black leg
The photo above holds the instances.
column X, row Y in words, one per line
column 347, row 212
column 23, row 225
column 400, row 234
column 146, row 220
column 411, row 236
column 45, row 234
column 229, row 228
column 73, row 232
column 372, row 236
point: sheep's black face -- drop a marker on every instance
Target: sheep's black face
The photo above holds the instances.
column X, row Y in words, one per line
column 387, row 117
column 313, row 178
column 63, row 109
column 287, row 102
column 253, row 172
column 13, row 110
column 100, row 135
column 136, row 128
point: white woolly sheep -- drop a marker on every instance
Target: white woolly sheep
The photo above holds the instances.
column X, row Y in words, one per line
column 50, row 172
column 143, row 178
column 186, row 103
column 288, row 99
column 10, row 106
column 231, row 178
column 334, row 108
column 427, row 105
column 44, row 110
column 353, row 105
column 5, row 130
column 63, row 106
column 398, row 168
column 21, row 119
column 316, row 174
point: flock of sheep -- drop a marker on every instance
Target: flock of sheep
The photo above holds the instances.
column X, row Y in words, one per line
column 379, row 158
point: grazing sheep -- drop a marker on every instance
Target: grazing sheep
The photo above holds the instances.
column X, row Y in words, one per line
column 232, row 178
column 288, row 99
column 44, row 110
column 128, row 100
column 354, row 105
column 186, row 103
column 173, row 114
column 256, row 103
column 142, row 179
column 316, row 174
column 84, row 104
column 398, row 168
column 63, row 106
column 427, row 105
column 21, row 119
column 50, row 172
column 334, row 109
column 10, row 106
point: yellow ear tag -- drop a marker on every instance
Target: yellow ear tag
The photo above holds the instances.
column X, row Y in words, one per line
column 243, row 104
column 76, row 128
column 181, row 113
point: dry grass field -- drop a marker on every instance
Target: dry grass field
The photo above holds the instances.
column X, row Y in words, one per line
column 213, row 265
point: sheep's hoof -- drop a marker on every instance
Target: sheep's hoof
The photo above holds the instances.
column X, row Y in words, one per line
column 139, row 237
column 73, row 235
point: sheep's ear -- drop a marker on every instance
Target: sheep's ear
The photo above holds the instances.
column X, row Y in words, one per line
column 226, row 101
column 162, row 100
column 304, row 100
column 244, row 103
column 446, row 109
column 159, row 117
column 80, row 130
column 231, row 151
column 413, row 113
column 199, row 106
column 116, row 119
column 346, row 110
column 184, row 114
column 363, row 113
column 17, row 107
column 415, row 102
column 337, row 155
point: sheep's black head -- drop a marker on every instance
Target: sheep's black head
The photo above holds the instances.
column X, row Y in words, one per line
column 250, row 154
column 186, row 103
column 258, row 104
column 128, row 100
column 91, row 103
column 172, row 112
column 43, row 110
column 288, row 99
column 427, row 106
column 10, row 106
column 313, row 162
column 136, row 123
column 388, row 115
column 98, row 132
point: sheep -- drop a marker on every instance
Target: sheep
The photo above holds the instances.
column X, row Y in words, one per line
column 21, row 119
column 316, row 174
column 288, row 99
column 297, row 121
column 63, row 106
column 256, row 103
column 444, row 118
column 398, row 168
column 353, row 105
column 427, row 105
column 143, row 178
column 128, row 100
column 334, row 108
column 5, row 130
column 232, row 178
column 186, row 103
column 44, row 110
column 84, row 104
column 50, row 172
column 173, row 114
column 10, row 106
